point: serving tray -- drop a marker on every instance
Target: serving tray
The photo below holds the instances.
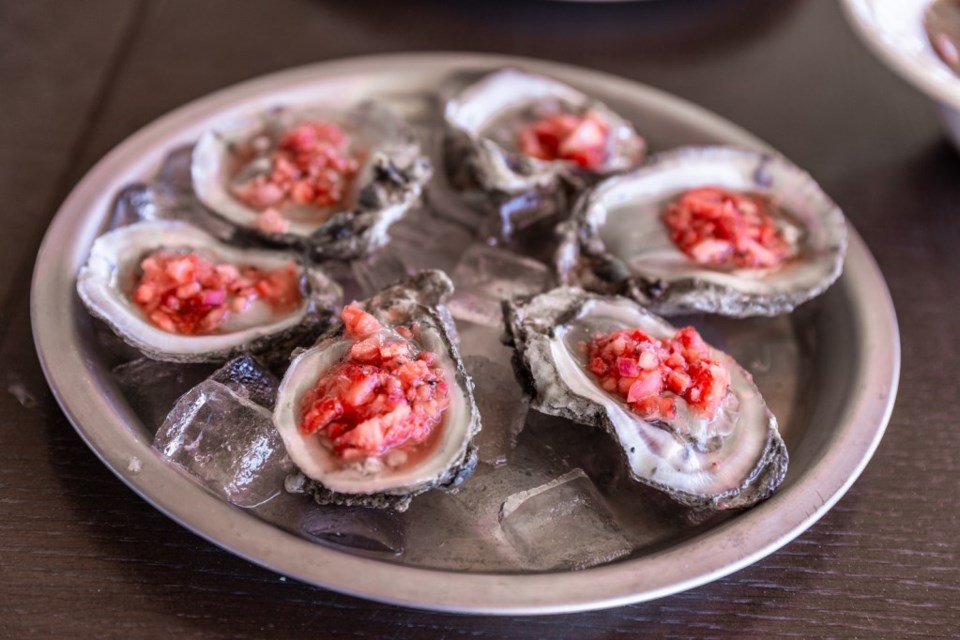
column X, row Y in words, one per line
column 829, row 371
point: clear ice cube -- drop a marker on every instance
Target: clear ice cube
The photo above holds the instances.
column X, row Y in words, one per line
column 361, row 528
column 450, row 202
column 176, row 170
column 152, row 387
column 563, row 524
column 226, row 441
column 368, row 530
column 486, row 276
column 247, row 377
column 142, row 201
column 462, row 530
column 377, row 272
column 502, row 404
column 420, row 240
column 139, row 202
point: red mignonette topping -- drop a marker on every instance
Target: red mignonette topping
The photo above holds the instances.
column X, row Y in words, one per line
column 719, row 227
column 310, row 166
column 564, row 136
column 650, row 374
column 188, row 294
column 382, row 396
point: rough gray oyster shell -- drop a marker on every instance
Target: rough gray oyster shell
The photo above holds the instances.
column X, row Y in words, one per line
column 485, row 162
column 616, row 243
column 734, row 461
column 414, row 303
column 388, row 183
column 106, row 282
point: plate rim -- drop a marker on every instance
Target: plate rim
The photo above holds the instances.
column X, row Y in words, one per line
column 722, row 551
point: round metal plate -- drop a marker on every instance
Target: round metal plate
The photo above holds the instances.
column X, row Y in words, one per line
column 857, row 363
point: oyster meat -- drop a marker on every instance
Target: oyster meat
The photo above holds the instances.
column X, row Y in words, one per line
column 618, row 240
column 332, row 180
column 360, row 454
column 524, row 145
column 187, row 319
column 730, row 458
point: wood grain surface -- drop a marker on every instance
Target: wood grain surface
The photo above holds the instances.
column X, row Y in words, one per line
column 83, row 556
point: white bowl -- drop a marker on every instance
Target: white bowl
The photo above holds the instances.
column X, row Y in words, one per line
column 894, row 30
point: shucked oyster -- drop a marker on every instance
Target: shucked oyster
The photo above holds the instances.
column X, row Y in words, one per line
column 712, row 229
column 179, row 295
column 329, row 179
column 689, row 420
column 381, row 409
column 529, row 143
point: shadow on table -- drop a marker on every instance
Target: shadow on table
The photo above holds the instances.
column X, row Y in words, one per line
column 665, row 29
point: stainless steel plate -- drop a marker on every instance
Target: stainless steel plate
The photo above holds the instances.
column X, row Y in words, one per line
column 836, row 411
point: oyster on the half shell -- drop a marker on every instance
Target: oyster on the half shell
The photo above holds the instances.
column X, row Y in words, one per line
column 616, row 242
column 487, row 161
column 108, row 281
column 389, row 179
column 734, row 459
column 410, row 311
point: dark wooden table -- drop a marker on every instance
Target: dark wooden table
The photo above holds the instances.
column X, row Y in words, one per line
column 82, row 556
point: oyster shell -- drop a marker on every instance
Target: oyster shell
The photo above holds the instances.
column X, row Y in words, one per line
column 615, row 241
column 417, row 305
column 484, row 155
column 107, row 281
column 386, row 185
column 733, row 461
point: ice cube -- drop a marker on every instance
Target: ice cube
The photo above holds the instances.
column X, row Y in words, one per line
column 486, row 276
column 577, row 446
column 250, row 379
column 366, row 529
column 377, row 272
column 445, row 192
column 152, row 388
column 420, row 240
column 141, row 201
column 176, row 168
column 159, row 201
column 563, row 524
column 423, row 240
column 227, row 441
column 462, row 530
column 502, row 404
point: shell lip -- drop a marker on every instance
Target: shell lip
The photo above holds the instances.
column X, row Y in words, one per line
column 584, row 258
column 535, row 325
column 115, row 256
column 389, row 182
column 418, row 300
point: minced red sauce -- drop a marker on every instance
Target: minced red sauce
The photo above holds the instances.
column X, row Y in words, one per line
column 186, row 293
column 565, row 136
column 382, row 396
column 715, row 226
column 650, row 374
column 311, row 165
